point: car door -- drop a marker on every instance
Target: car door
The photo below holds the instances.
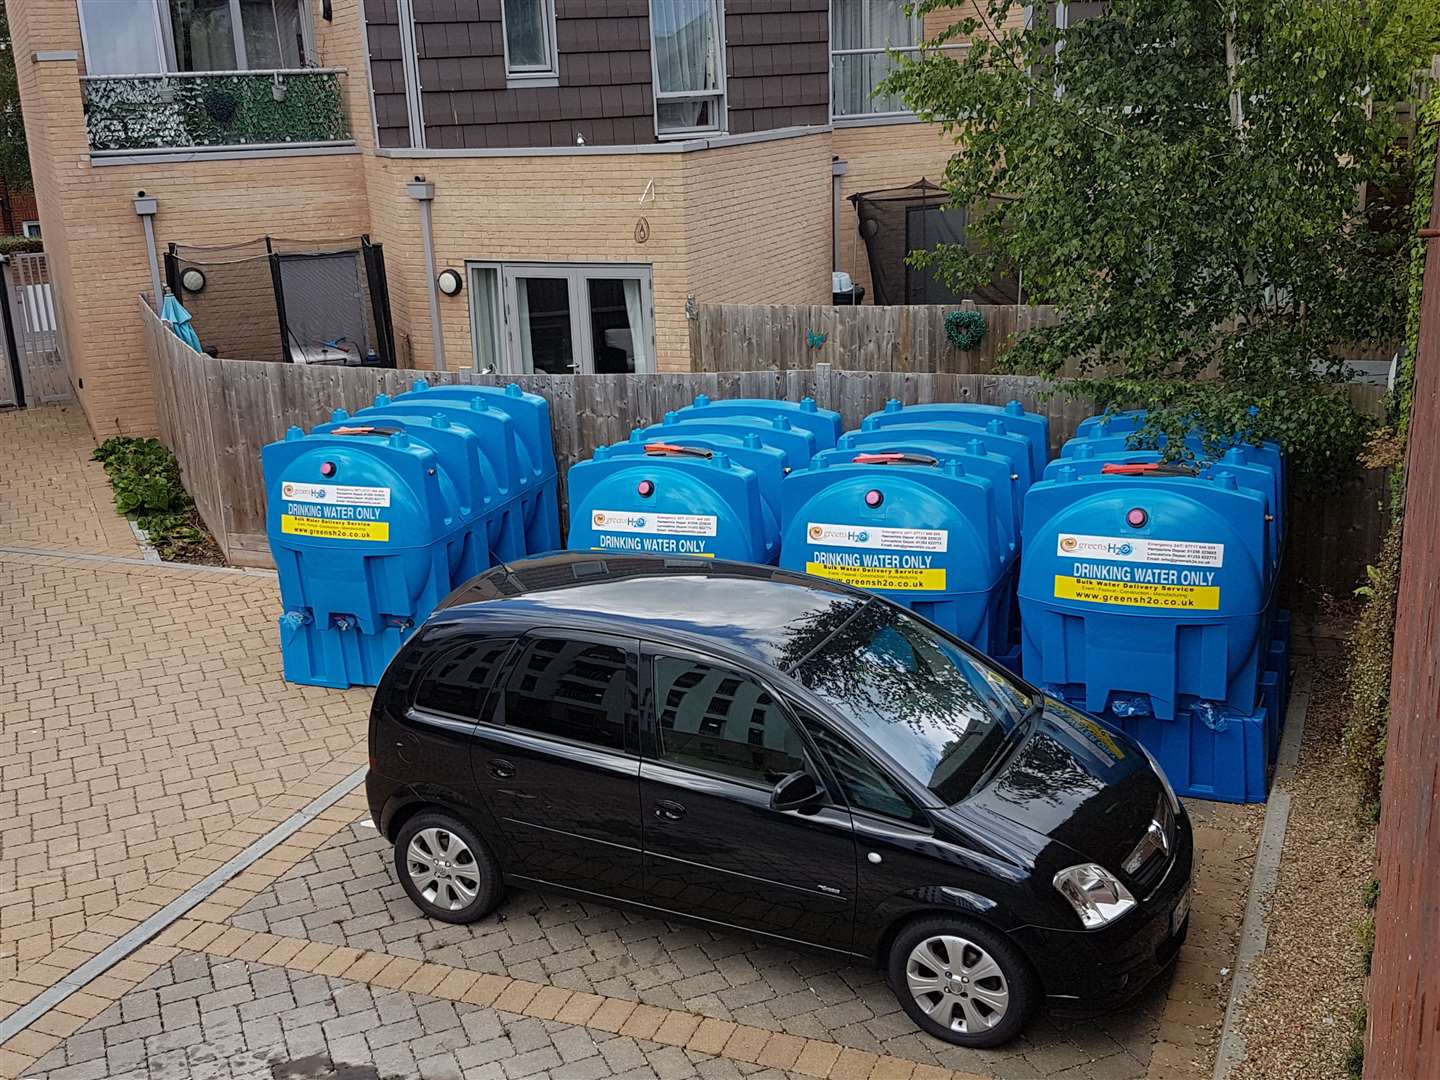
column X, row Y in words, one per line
column 428, row 722
column 557, row 761
column 717, row 742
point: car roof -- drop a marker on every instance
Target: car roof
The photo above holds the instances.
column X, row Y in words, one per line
column 769, row 615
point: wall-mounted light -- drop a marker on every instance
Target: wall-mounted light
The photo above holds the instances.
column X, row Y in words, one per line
column 192, row 280
column 450, row 282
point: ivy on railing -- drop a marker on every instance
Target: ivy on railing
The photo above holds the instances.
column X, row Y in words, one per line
column 183, row 110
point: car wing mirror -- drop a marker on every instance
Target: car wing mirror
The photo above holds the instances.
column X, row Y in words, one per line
column 798, row 791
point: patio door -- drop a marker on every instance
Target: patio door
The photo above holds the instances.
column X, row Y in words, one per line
column 577, row 320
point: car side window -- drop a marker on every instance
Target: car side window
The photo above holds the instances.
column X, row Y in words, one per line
column 865, row 786
column 578, row 690
column 717, row 720
column 457, row 683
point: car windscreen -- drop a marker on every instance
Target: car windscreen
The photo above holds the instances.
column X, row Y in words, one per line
column 939, row 713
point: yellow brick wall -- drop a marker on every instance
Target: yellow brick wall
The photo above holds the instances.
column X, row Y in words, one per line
column 748, row 223
column 760, row 222
column 96, row 243
column 741, row 224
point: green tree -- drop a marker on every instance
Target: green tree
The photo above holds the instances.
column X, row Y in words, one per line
column 14, row 157
column 1182, row 178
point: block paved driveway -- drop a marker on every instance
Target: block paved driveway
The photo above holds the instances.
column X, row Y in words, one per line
column 146, row 736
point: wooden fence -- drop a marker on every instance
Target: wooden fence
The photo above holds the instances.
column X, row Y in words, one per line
column 217, row 414
column 1403, row 1038
column 778, row 337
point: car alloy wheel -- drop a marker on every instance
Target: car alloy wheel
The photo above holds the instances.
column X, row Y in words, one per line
column 446, row 868
column 957, row 984
column 443, row 869
column 962, row 981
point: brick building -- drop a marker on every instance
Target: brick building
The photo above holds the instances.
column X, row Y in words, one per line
column 19, row 215
column 595, row 163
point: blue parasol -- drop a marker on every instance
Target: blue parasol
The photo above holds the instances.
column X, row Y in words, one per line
column 174, row 313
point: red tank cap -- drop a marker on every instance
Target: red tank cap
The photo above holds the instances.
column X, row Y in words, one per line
column 645, row 488
column 327, row 469
column 1136, row 518
column 874, row 497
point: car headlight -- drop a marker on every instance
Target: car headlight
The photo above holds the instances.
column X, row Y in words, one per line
column 1095, row 894
column 1164, row 780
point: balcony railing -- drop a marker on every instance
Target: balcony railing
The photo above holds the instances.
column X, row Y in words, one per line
column 214, row 110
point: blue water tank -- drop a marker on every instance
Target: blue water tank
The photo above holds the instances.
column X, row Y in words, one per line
column 824, row 424
column 998, row 457
column 1153, row 590
column 368, row 537
column 798, row 444
column 750, row 450
column 1010, row 418
column 534, row 450
column 916, row 527
column 486, row 499
column 1121, row 425
column 1082, row 459
column 670, row 501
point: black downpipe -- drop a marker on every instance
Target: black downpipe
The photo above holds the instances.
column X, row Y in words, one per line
column 172, row 272
column 379, row 300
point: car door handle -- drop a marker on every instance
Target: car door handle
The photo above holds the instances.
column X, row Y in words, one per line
column 669, row 811
column 501, row 769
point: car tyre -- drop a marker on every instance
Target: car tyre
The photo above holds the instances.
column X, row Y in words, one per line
column 446, row 869
column 961, row 981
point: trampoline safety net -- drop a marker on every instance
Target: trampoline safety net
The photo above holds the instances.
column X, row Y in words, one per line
column 282, row 300
column 898, row 221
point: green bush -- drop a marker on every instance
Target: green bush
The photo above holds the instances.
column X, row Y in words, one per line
column 1367, row 693
column 146, row 480
column 144, row 474
column 13, row 245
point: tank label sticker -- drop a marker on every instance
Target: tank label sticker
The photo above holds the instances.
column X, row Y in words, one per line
column 654, row 524
column 876, row 536
column 881, row 576
column 1150, row 594
column 1139, row 550
column 336, row 494
column 334, row 528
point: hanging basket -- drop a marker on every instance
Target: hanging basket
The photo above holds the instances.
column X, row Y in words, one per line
column 965, row 329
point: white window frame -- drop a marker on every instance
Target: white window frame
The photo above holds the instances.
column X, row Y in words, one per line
column 719, row 94
column 576, row 275
column 165, row 37
column 547, row 74
column 30, row 230
column 496, row 318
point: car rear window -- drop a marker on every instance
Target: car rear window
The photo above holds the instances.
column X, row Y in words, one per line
column 939, row 713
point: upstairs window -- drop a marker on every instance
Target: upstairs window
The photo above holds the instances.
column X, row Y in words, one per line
column 530, row 53
column 688, row 54
column 861, row 33
column 147, row 37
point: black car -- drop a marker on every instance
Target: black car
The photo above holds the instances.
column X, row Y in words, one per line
column 758, row 750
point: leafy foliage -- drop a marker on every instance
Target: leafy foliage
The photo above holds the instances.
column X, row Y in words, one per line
column 1367, row 692
column 1180, row 179
column 146, row 480
column 14, row 156
column 11, row 245
column 1354, row 1062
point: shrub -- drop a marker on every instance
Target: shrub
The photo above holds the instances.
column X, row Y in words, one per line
column 146, row 480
